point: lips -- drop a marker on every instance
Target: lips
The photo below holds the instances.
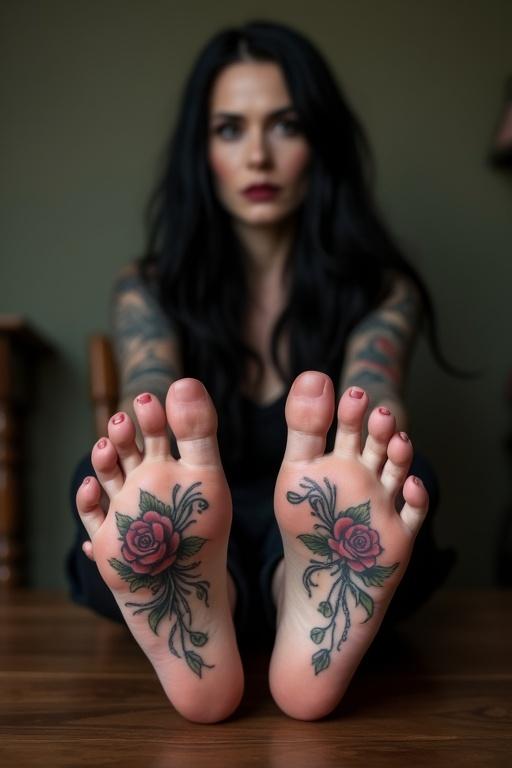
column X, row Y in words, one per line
column 259, row 192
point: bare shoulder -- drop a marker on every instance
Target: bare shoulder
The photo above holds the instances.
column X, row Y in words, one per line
column 129, row 278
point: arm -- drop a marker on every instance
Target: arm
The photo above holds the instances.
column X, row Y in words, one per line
column 146, row 350
column 379, row 349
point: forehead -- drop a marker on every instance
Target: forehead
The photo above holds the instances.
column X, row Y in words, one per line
column 248, row 85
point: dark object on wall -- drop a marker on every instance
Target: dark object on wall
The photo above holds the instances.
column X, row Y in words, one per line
column 501, row 155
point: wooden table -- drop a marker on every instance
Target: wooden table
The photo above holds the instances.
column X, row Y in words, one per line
column 75, row 690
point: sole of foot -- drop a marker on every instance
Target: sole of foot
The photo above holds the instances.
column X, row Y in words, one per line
column 346, row 547
column 161, row 546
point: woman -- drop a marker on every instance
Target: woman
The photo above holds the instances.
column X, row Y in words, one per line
column 268, row 272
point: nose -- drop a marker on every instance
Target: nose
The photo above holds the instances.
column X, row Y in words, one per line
column 258, row 150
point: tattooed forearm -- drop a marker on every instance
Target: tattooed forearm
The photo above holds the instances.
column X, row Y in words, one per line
column 346, row 548
column 145, row 347
column 154, row 554
column 379, row 348
column 152, row 372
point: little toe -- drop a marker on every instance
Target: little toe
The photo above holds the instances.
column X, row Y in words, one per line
column 89, row 508
column 106, row 465
column 309, row 413
column 351, row 410
column 193, row 420
column 415, row 508
column 381, row 427
column 153, row 424
column 88, row 550
column 395, row 469
column 121, row 431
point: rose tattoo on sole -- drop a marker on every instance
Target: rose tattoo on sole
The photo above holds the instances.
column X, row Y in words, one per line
column 348, row 548
column 155, row 553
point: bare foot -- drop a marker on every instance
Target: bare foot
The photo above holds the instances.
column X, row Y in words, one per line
column 346, row 547
column 161, row 548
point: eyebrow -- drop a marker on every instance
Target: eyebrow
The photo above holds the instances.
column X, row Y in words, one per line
column 236, row 115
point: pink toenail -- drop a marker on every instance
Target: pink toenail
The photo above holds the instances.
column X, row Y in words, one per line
column 417, row 481
column 310, row 384
column 118, row 418
column 385, row 411
column 404, row 436
column 102, row 443
column 188, row 390
column 86, row 481
column 357, row 393
column 143, row 399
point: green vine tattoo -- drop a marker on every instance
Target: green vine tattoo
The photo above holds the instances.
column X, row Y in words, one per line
column 154, row 550
column 350, row 549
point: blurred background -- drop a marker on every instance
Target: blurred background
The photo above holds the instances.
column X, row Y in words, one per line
column 89, row 89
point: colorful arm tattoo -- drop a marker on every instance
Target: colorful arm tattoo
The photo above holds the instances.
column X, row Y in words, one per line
column 380, row 346
column 346, row 548
column 154, row 555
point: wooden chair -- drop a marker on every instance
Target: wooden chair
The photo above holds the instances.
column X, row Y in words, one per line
column 103, row 381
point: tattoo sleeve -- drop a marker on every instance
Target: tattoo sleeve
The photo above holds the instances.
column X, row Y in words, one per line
column 347, row 548
column 145, row 347
column 380, row 346
column 158, row 556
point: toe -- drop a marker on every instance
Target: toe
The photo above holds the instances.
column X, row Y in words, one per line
column 309, row 414
column 193, row 420
column 399, row 460
column 153, row 424
column 381, row 427
column 121, row 432
column 416, row 504
column 88, row 504
column 106, row 465
column 351, row 410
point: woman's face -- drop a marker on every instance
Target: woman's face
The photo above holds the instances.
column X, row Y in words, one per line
column 258, row 154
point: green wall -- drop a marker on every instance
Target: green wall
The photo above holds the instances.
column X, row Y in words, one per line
column 88, row 91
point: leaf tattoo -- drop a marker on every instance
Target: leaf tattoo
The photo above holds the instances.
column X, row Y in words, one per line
column 349, row 548
column 155, row 554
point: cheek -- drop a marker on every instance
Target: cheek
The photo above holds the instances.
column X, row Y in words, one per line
column 221, row 165
column 297, row 161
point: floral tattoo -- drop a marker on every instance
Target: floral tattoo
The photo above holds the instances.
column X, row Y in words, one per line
column 349, row 548
column 154, row 551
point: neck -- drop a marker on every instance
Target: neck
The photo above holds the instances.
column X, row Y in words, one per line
column 267, row 248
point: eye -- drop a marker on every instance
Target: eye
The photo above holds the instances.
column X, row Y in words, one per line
column 289, row 126
column 227, row 131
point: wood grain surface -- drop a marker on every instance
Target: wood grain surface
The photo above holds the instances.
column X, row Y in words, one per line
column 75, row 690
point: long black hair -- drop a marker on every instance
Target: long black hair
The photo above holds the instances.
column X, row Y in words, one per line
column 343, row 256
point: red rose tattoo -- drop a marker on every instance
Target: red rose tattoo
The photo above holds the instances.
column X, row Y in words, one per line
column 156, row 556
column 150, row 544
column 358, row 543
column 349, row 548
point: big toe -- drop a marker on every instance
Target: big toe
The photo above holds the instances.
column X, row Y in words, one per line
column 309, row 413
column 193, row 420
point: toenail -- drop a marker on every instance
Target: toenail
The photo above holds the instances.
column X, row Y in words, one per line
column 416, row 480
column 86, row 481
column 143, row 399
column 357, row 393
column 118, row 418
column 404, row 436
column 310, row 384
column 188, row 390
column 385, row 411
column 102, row 443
